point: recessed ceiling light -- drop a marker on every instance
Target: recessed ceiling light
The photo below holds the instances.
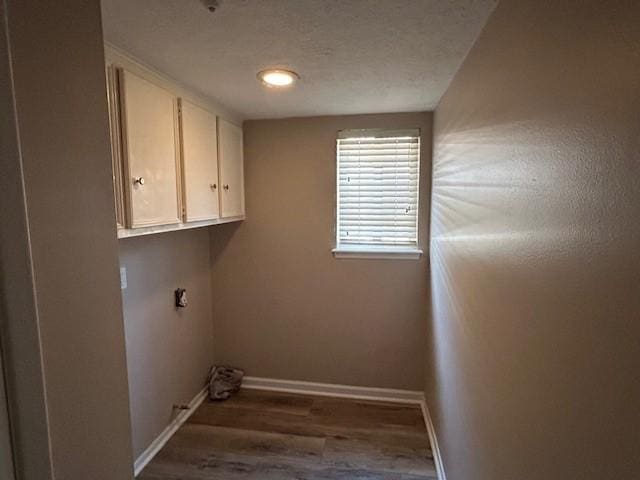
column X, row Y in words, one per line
column 277, row 77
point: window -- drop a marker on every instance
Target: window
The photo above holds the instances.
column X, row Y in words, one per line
column 378, row 174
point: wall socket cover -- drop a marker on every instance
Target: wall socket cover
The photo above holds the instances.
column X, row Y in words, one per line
column 123, row 278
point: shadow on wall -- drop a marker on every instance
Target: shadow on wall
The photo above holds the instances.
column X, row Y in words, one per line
column 220, row 236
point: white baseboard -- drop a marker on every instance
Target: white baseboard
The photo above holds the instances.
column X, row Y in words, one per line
column 332, row 390
column 182, row 416
column 433, row 440
column 359, row 393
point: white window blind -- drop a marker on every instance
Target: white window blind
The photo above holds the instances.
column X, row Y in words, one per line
column 377, row 186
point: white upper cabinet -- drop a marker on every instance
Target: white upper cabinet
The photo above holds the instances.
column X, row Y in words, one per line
column 199, row 163
column 149, row 145
column 230, row 157
column 176, row 164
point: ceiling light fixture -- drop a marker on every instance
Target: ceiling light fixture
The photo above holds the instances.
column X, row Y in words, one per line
column 277, row 77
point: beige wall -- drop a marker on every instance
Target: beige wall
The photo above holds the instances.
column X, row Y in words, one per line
column 535, row 267
column 19, row 335
column 168, row 350
column 283, row 306
column 61, row 111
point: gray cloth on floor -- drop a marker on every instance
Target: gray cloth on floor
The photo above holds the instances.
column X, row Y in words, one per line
column 224, row 381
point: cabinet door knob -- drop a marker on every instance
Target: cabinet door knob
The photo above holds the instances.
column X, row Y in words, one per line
column 213, row 186
column 226, row 187
column 138, row 180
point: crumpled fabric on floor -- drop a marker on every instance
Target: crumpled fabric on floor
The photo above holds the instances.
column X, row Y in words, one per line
column 224, row 381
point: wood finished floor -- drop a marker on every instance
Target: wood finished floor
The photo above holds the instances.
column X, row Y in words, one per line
column 278, row 436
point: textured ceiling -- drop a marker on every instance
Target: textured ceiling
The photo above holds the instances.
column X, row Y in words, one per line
column 354, row 56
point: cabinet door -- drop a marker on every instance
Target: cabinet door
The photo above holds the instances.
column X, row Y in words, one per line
column 114, row 131
column 199, row 162
column 231, row 169
column 149, row 118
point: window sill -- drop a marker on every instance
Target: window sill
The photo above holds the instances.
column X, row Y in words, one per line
column 373, row 252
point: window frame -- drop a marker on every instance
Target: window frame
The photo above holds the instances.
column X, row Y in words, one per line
column 372, row 251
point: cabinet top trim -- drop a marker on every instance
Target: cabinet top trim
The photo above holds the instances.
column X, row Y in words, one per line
column 116, row 56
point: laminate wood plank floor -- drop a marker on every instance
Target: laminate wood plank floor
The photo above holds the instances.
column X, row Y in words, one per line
column 280, row 436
